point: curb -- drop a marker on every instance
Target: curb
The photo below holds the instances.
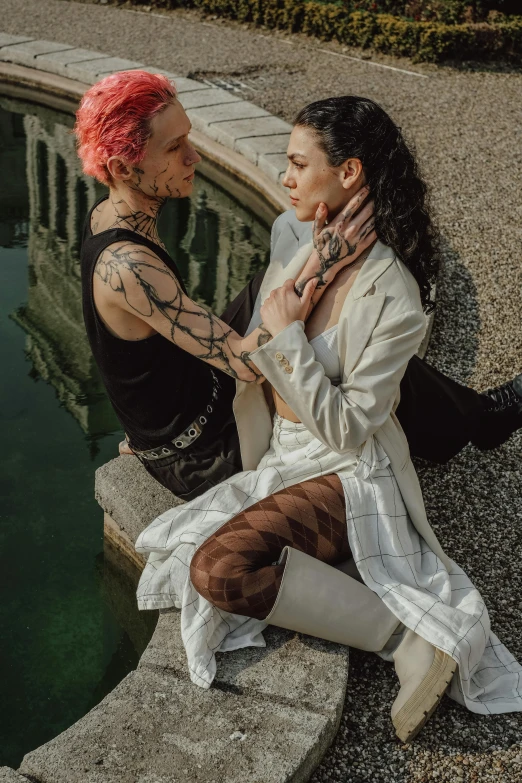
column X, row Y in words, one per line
column 237, row 135
column 269, row 717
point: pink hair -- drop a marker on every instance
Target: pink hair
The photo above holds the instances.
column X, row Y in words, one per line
column 114, row 118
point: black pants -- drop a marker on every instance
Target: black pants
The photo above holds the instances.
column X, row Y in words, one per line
column 438, row 416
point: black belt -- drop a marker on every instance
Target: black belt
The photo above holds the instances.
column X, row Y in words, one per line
column 188, row 436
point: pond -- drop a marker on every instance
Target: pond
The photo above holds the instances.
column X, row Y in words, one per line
column 69, row 624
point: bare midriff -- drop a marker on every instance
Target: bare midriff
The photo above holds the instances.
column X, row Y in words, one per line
column 324, row 315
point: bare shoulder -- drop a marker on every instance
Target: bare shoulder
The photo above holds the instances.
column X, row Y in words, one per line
column 132, row 276
column 128, row 254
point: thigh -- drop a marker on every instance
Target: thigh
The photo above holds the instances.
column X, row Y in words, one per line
column 236, row 568
column 309, row 516
column 438, row 415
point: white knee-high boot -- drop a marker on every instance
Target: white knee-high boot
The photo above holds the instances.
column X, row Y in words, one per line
column 320, row 600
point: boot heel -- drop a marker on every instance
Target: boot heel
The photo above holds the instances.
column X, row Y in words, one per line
column 426, row 698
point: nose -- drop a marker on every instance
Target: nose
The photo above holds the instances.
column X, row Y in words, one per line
column 193, row 157
column 288, row 180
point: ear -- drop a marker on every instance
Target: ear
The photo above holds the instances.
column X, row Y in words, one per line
column 118, row 169
column 352, row 173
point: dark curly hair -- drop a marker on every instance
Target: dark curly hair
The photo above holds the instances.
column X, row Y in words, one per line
column 353, row 127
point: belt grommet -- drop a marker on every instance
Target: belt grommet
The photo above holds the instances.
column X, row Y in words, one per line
column 165, row 450
column 209, row 408
column 202, row 420
column 192, row 432
column 178, row 444
column 153, row 454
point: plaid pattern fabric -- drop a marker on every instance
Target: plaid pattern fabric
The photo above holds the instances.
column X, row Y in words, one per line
column 443, row 607
column 234, row 569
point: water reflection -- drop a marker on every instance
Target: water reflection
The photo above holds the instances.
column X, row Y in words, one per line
column 218, row 246
column 68, row 618
column 14, row 225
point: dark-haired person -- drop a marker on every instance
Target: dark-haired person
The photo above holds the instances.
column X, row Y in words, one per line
column 149, row 338
column 169, row 365
column 438, row 415
column 327, row 480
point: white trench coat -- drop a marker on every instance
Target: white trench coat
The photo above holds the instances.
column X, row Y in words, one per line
column 351, row 430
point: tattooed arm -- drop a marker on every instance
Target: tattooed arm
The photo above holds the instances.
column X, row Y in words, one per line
column 131, row 278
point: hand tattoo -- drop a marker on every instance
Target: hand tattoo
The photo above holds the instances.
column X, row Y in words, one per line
column 332, row 247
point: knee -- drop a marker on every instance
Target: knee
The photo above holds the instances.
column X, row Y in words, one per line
column 200, row 572
column 217, row 573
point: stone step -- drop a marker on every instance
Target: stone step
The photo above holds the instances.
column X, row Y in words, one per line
column 8, row 775
column 269, row 716
column 157, row 728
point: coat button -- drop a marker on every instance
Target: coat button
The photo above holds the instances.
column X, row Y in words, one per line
column 279, row 356
column 285, row 363
column 289, row 369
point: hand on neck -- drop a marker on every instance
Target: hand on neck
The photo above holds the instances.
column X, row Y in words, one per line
column 347, row 196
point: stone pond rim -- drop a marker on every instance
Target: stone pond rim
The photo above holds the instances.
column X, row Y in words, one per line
column 272, row 712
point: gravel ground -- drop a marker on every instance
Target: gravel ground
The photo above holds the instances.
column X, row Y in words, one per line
column 466, row 126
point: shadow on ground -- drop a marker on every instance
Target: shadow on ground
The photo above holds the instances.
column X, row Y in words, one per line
column 475, row 510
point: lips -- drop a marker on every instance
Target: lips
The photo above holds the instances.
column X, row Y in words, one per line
column 190, row 177
column 294, row 200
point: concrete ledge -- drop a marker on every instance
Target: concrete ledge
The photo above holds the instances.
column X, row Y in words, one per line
column 121, row 541
column 155, row 728
column 294, row 669
column 256, row 147
column 130, row 496
column 268, row 718
column 8, row 775
column 11, row 40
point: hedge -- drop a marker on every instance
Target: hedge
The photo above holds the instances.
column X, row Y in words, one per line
column 423, row 41
column 445, row 11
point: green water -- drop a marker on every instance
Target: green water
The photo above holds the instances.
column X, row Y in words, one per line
column 69, row 627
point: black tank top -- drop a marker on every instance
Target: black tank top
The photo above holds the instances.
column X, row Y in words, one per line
column 156, row 388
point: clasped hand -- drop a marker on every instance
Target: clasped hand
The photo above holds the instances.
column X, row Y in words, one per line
column 284, row 306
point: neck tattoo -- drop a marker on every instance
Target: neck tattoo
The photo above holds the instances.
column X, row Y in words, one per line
column 143, row 223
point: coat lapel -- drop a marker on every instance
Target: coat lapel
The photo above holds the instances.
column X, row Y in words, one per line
column 278, row 272
column 362, row 315
column 363, row 307
column 375, row 265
